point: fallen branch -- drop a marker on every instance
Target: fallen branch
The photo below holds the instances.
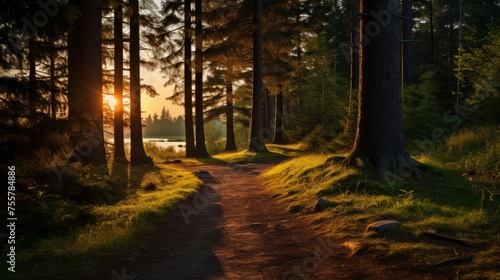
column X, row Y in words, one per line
column 456, row 260
column 446, row 238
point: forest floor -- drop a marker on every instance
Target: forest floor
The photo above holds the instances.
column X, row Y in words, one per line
column 233, row 229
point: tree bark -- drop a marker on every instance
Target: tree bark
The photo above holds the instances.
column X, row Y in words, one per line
column 53, row 100
column 355, row 34
column 188, row 83
column 354, row 65
column 85, row 81
column 268, row 124
column 431, row 22
column 408, row 72
column 257, row 143
column 278, row 123
column 230, row 139
column 379, row 136
column 32, row 75
column 201, row 149
column 137, row 154
column 119, row 145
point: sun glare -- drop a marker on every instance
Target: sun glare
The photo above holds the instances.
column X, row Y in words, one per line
column 109, row 99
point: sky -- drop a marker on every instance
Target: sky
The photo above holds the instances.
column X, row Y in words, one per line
column 154, row 105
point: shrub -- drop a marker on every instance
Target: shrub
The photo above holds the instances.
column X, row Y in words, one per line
column 315, row 141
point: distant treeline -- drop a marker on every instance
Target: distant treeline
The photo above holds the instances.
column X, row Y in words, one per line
column 163, row 125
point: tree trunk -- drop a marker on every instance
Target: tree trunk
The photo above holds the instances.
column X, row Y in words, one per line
column 53, row 100
column 266, row 116
column 408, row 73
column 278, row 120
column 85, row 80
column 230, row 139
column 201, row 149
column 32, row 75
column 188, row 83
column 355, row 33
column 354, row 65
column 379, row 136
column 257, row 143
column 431, row 22
column 268, row 124
column 119, row 145
column 137, row 154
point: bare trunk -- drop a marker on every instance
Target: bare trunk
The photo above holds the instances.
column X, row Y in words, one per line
column 53, row 100
column 32, row 75
column 379, row 137
column 230, row 139
column 408, row 72
column 85, row 81
column 137, row 154
column 201, row 149
column 266, row 117
column 431, row 22
column 354, row 65
column 188, row 83
column 256, row 130
column 278, row 123
column 119, row 145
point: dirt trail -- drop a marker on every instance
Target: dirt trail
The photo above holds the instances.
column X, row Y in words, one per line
column 233, row 230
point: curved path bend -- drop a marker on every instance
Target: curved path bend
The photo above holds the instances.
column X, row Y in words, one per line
column 232, row 229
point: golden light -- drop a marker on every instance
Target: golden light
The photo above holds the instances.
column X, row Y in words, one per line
column 110, row 100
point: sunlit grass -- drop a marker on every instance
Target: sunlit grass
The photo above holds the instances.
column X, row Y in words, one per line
column 276, row 152
column 447, row 206
column 161, row 154
column 116, row 227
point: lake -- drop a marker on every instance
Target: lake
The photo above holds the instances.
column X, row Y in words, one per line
column 160, row 142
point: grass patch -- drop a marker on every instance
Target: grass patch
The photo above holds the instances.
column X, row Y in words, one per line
column 116, row 226
column 276, row 153
column 451, row 206
column 475, row 150
column 162, row 154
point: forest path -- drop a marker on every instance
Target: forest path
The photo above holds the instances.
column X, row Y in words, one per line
column 233, row 229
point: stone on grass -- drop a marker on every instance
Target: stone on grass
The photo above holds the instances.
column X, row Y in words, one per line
column 202, row 174
column 322, row 204
column 352, row 245
column 382, row 226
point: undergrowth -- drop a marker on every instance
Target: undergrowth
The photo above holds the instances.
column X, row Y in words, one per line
column 456, row 205
column 91, row 232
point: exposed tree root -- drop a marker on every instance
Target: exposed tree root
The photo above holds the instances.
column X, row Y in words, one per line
column 406, row 168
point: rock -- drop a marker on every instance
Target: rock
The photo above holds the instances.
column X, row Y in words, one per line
column 352, row 245
column 203, row 174
column 206, row 177
column 382, row 226
column 322, row 204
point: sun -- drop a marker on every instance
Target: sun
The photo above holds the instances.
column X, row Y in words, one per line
column 110, row 100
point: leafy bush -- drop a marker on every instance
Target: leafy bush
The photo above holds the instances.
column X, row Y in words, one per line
column 214, row 137
column 315, row 141
column 475, row 149
column 421, row 113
